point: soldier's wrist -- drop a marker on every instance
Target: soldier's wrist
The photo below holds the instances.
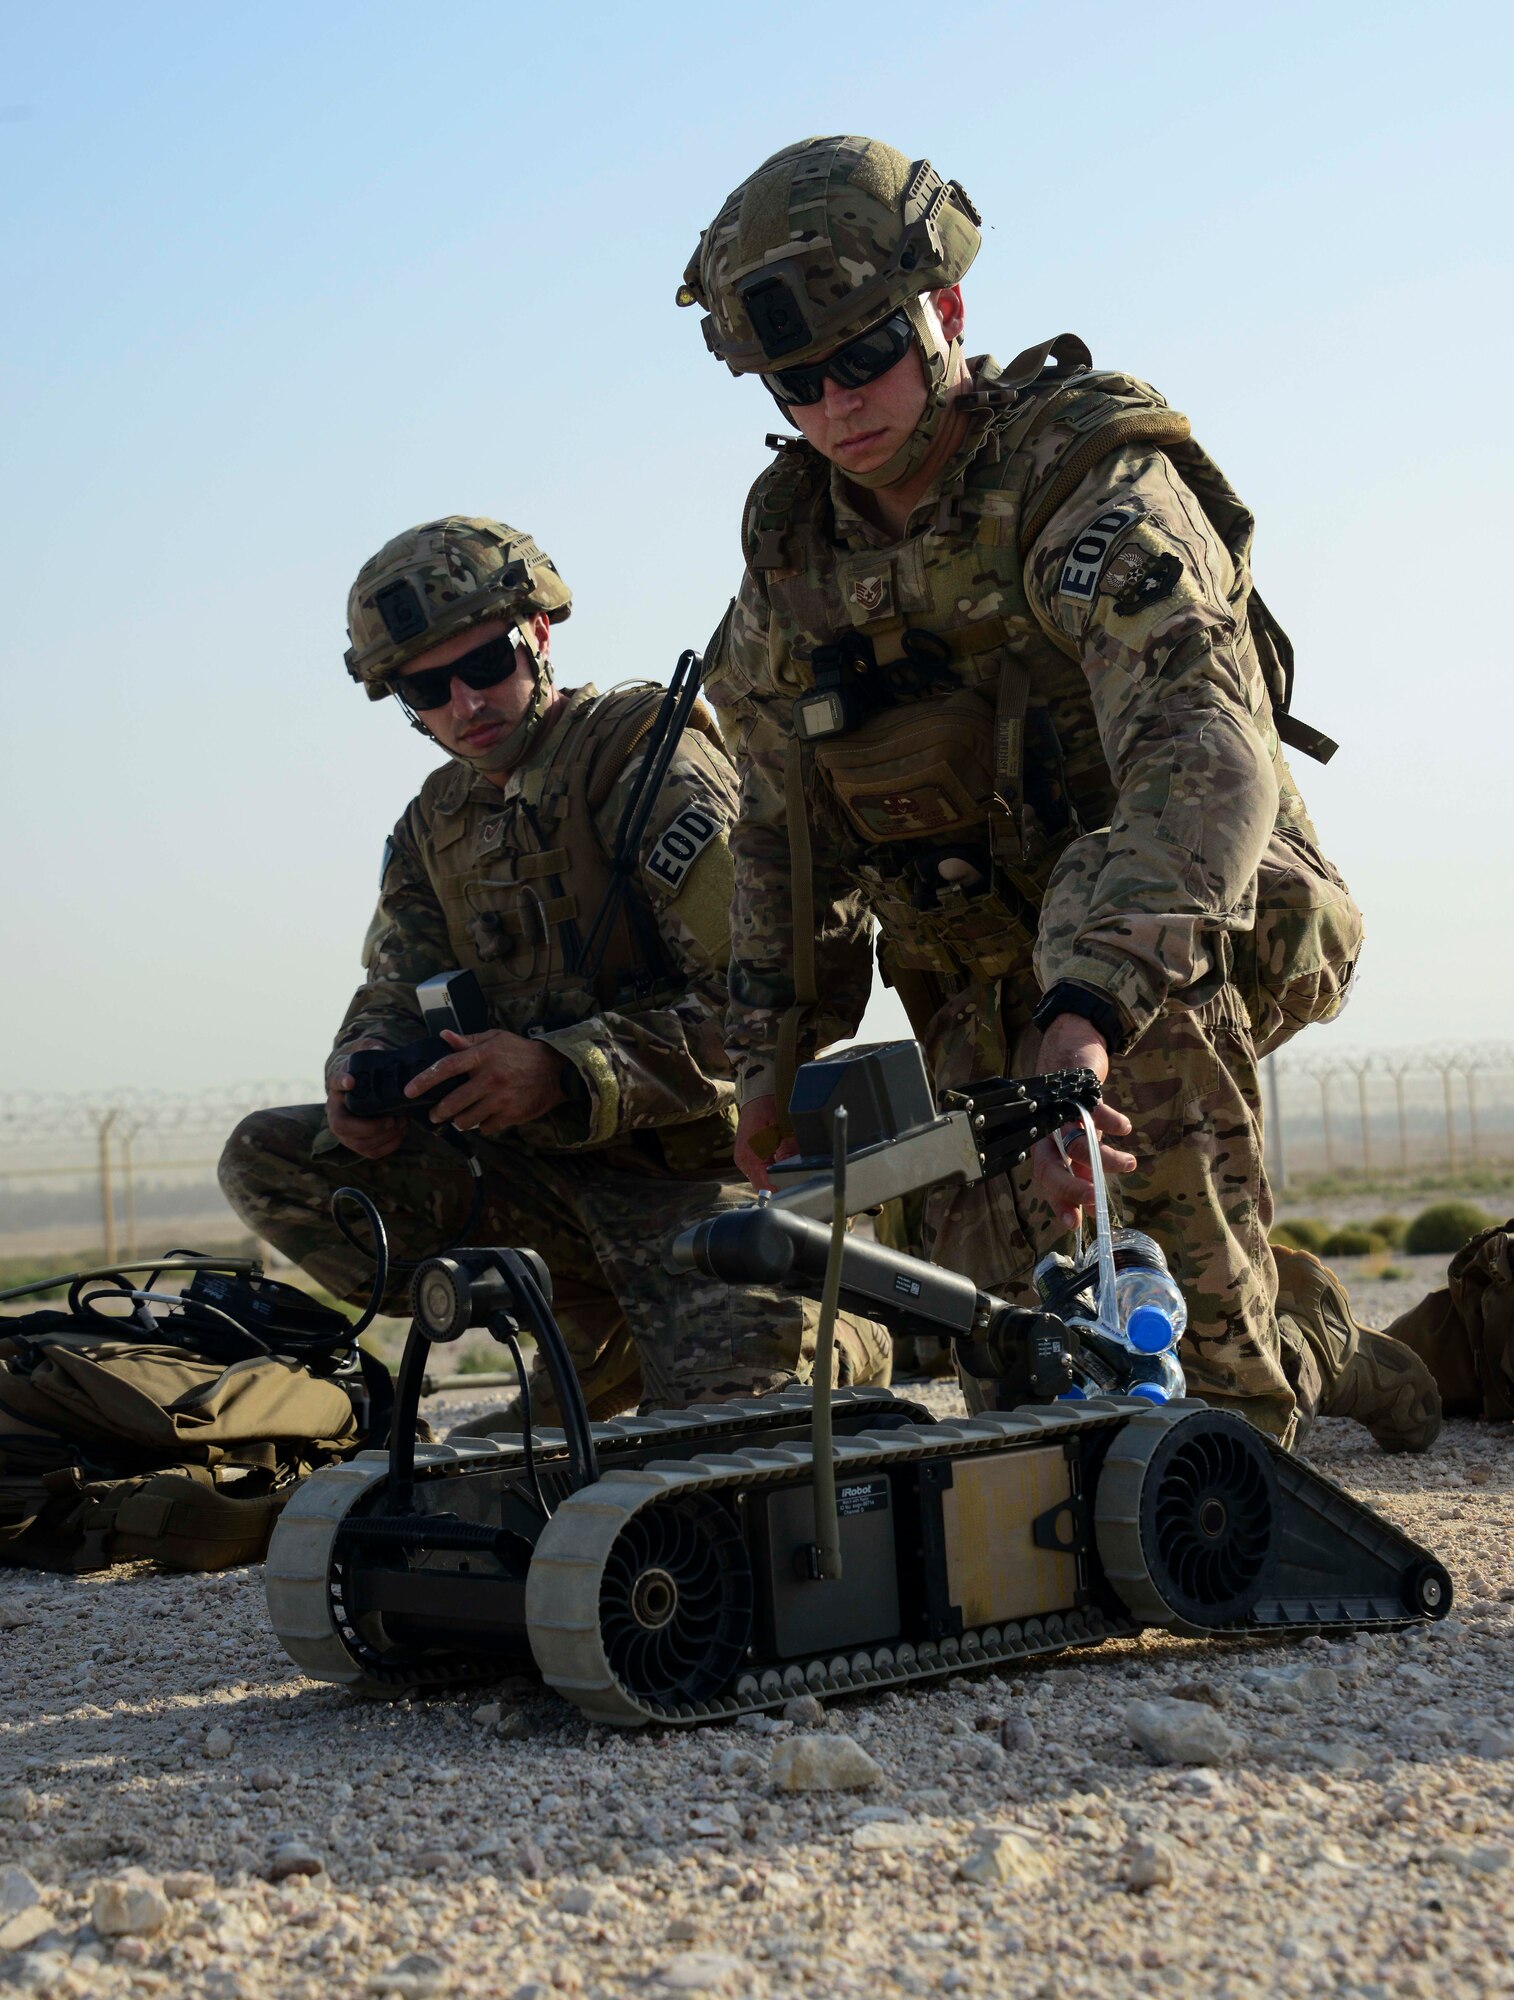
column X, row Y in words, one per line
column 1101, row 1013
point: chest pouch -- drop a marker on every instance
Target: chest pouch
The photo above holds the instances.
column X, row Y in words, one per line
column 919, row 772
column 850, row 685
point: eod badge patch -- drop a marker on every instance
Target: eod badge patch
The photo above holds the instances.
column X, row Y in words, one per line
column 1085, row 559
column 680, row 845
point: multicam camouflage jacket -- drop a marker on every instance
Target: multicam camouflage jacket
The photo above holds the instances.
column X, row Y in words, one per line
column 506, row 882
column 1076, row 773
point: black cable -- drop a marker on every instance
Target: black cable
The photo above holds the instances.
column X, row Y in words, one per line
column 174, row 1260
column 85, row 1306
column 525, row 1423
column 379, row 1253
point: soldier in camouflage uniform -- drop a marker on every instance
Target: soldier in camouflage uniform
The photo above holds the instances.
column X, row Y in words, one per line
column 998, row 678
column 600, row 1099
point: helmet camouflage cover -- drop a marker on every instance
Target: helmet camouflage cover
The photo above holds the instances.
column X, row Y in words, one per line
column 826, row 238
column 438, row 579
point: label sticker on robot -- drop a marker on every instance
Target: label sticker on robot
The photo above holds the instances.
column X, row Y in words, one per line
column 909, row 1286
column 866, row 1496
column 1085, row 559
column 683, row 841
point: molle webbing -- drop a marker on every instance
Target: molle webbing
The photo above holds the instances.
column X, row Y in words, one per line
column 802, row 901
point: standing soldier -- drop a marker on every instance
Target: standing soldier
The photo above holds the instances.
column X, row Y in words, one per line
column 997, row 678
column 599, row 1100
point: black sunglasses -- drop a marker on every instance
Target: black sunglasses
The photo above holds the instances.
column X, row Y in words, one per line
column 485, row 667
column 861, row 361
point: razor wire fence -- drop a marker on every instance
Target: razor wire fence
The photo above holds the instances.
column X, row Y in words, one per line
column 1437, row 1108
column 130, row 1171
column 121, row 1170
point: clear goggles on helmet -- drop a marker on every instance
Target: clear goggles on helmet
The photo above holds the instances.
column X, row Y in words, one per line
column 485, row 667
column 853, row 366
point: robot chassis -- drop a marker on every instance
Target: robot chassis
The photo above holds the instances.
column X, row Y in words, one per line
column 712, row 1562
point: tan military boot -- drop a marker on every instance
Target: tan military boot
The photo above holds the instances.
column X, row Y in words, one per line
column 1390, row 1390
column 1356, row 1371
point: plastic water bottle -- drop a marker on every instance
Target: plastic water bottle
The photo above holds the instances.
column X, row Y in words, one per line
column 1156, row 1378
column 1149, row 1303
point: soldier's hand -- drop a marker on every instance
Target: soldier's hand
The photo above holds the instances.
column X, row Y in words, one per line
column 1070, row 1042
column 757, row 1141
column 502, row 1080
column 369, row 1138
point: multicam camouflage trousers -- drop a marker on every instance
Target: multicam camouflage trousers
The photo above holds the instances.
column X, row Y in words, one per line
column 1190, row 1090
column 636, row 1332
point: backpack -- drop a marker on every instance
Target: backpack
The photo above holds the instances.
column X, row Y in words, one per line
column 1464, row 1333
column 175, row 1437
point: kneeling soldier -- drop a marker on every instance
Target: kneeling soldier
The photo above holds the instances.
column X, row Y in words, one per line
column 599, row 1099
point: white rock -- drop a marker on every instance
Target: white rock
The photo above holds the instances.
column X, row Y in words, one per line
column 1017, row 1734
column 293, row 1857
column 823, row 1764
column 218, row 1742
column 189, row 1885
column 18, row 1892
column 1488, row 1860
column 884, row 1835
column 415, row 1977
column 16, row 1802
column 740, row 1762
column 1493, row 1741
column 1146, row 1864
column 17, row 1932
column 1304, row 1683
column 1004, row 1854
column 805, row 1710
column 13, row 1618
column 703, row 1972
column 131, row 1904
column 1182, row 1732
column 266, row 1778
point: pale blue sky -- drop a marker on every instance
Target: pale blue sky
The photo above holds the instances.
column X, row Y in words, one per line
column 280, row 280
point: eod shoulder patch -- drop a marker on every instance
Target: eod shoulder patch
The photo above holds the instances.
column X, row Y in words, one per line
column 1085, row 559
column 680, row 845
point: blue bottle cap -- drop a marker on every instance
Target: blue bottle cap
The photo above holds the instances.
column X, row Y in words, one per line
column 1149, row 1392
column 1149, row 1330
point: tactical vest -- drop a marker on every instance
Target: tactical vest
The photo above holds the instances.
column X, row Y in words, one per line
column 520, row 882
column 962, row 796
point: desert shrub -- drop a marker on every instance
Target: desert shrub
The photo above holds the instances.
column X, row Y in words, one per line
column 1390, row 1228
column 1351, row 1240
column 1306, row 1232
column 1444, row 1227
column 1282, row 1237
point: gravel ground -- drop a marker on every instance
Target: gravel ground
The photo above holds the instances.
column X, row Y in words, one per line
column 182, row 1812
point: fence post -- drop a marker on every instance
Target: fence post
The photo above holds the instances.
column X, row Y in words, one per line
column 1398, row 1069
column 1361, row 1067
column 1445, row 1085
column 103, row 1124
column 1275, row 1126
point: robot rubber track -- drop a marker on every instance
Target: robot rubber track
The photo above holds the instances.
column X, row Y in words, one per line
column 672, row 1589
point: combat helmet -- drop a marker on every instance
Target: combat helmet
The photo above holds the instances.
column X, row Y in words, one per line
column 826, row 239
column 438, row 579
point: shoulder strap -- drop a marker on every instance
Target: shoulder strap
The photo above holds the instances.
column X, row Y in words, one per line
column 773, row 502
column 1155, row 425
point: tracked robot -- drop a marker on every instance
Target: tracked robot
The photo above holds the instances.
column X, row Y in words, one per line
column 711, row 1563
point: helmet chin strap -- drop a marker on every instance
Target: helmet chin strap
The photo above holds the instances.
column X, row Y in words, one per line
column 512, row 746
column 938, row 358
